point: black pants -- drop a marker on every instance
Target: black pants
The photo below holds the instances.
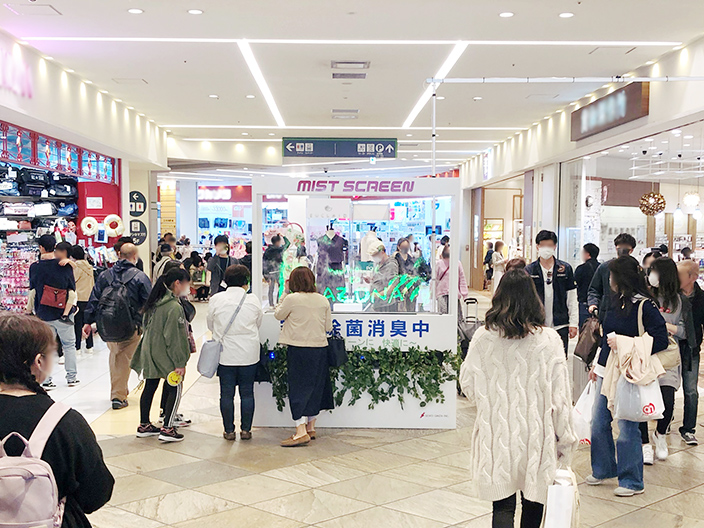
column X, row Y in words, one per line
column 668, row 397
column 78, row 326
column 565, row 335
column 202, row 293
column 505, row 511
column 173, row 398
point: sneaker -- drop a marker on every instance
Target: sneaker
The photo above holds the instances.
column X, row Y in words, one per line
column 62, row 360
column 648, row 455
column 119, row 404
column 146, row 430
column 593, row 481
column 660, row 442
column 690, row 439
column 170, row 435
column 73, row 383
column 179, row 421
column 48, row 385
column 626, row 492
column 88, row 350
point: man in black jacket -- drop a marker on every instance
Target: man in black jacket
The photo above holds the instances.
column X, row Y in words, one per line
column 689, row 273
column 599, row 293
column 556, row 288
column 583, row 277
column 138, row 288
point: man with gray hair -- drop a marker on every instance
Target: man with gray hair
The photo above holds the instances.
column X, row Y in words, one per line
column 115, row 306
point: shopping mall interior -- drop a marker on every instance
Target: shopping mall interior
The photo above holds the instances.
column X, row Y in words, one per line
column 384, row 148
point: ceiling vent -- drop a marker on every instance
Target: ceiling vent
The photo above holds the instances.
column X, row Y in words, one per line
column 345, row 111
column 344, row 116
column 349, row 75
column 33, row 9
column 129, row 80
column 349, row 65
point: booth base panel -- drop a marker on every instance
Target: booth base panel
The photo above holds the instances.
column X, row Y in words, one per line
column 384, row 415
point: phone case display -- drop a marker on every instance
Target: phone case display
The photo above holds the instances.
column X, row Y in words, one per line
column 15, row 260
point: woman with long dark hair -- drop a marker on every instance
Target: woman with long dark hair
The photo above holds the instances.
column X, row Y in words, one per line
column 163, row 350
column 676, row 309
column 306, row 320
column 27, row 356
column 516, row 374
column 629, row 292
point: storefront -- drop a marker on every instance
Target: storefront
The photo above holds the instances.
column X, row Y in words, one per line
column 336, row 220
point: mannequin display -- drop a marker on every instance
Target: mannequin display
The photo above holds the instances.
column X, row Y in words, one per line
column 332, row 249
column 366, row 243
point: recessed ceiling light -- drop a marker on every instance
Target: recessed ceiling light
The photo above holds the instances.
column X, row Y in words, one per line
column 686, row 145
column 245, row 133
column 689, row 137
column 650, row 63
column 605, row 152
column 68, row 70
column 653, row 147
column 409, row 135
column 477, row 98
column 404, row 159
column 589, row 95
column 649, row 139
column 135, row 11
column 566, row 15
column 88, row 82
column 130, row 108
column 23, row 42
column 664, row 141
column 677, row 48
column 245, row 168
column 271, row 134
column 587, row 157
column 677, row 131
column 118, row 100
column 103, row 91
column 535, row 124
column 195, row 11
column 440, row 97
column 507, row 14
column 141, row 115
column 168, row 130
column 49, row 58
column 250, row 96
column 214, row 96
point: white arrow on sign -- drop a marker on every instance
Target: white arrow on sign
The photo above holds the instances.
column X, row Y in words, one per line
column 389, row 148
column 290, row 147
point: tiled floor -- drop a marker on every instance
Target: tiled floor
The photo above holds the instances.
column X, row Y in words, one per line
column 345, row 478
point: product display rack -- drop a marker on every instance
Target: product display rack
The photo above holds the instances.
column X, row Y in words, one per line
column 15, row 259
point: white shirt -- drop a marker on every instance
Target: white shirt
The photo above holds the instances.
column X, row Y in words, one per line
column 240, row 347
column 549, row 292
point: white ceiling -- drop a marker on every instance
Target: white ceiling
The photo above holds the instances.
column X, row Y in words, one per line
column 101, row 41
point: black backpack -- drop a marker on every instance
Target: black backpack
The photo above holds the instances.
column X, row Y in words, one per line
column 114, row 316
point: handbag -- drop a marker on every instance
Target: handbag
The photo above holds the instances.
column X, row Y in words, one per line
column 337, row 353
column 262, row 374
column 562, row 507
column 211, row 350
column 589, row 339
column 670, row 357
column 582, row 414
column 54, row 297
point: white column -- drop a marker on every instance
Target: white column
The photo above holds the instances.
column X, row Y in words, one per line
column 188, row 209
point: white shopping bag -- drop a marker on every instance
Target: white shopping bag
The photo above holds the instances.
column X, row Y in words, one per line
column 638, row 403
column 562, row 507
column 582, row 414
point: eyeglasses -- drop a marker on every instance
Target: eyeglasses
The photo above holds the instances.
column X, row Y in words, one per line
column 549, row 281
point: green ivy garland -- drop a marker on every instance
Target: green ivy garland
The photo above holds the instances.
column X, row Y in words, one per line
column 383, row 373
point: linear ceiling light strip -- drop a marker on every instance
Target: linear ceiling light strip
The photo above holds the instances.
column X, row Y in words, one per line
column 246, row 50
column 561, row 80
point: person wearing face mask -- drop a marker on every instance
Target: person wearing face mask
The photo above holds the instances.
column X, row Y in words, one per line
column 27, row 356
column 599, row 293
column 442, row 290
column 556, row 288
column 648, row 260
column 677, row 312
column 121, row 349
column 406, row 266
column 164, row 349
column 583, row 276
column 215, row 272
column 383, row 275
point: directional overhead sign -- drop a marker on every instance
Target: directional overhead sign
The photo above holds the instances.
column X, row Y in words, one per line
column 339, row 148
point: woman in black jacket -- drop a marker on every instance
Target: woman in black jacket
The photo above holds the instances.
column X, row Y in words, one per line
column 27, row 355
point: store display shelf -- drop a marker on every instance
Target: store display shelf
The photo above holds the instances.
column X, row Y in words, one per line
column 14, row 199
column 24, row 217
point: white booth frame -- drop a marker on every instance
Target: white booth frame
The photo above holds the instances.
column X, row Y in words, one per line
column 441, row 329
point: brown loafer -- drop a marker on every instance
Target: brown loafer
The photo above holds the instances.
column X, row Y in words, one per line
column 295, row 442
column 246, row 435
column 230, row 436
column 312, row 434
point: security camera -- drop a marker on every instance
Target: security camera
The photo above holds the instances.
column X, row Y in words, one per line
column 679, row 155
column 325, row 170
column 645, row 152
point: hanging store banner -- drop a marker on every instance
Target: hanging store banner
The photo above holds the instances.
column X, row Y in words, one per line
column 618, row 108
column 339, row 148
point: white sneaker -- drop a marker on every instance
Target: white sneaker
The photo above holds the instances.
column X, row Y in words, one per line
column 648, row 455
column 62, row 360
column 88, row 350
column 661, row 450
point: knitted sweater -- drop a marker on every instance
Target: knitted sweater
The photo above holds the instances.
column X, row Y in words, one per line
column 521, row 389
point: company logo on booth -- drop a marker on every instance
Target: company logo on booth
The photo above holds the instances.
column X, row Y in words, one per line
column 15, row 74
column 356, row 186
column 426, row 415
column 649, row 409
column 223, row 194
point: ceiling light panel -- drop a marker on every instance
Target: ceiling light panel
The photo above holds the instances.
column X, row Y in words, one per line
column 349, row 65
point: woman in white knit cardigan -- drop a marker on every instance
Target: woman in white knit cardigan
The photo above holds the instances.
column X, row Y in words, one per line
column 516, row 374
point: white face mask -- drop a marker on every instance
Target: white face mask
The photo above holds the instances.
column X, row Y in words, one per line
column 546, row 252
column 654, row 279
column 376, row 259
column 222, row 251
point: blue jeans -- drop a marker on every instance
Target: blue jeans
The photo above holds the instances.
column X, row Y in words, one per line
column 230, row 378
column 629, row 468
column 583, row 314
column 691, row 396
column 67, row 336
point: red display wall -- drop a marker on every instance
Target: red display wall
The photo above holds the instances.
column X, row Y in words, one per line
column 110, row 195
